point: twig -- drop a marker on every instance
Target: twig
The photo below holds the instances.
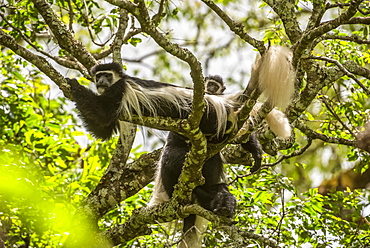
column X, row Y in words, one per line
column 343, row 69
column 236, row 27
column 315, row 135
column 64, row 62
column 353, row 38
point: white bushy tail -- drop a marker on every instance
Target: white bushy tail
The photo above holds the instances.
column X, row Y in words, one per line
column 276, row 76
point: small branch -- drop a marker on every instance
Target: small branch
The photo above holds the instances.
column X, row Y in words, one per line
column 119, row 38
column 309, row 36
column 328, row 107
column 356, row 69
column 317, row 77
column 236, row 233
column 315, row 135
column 358, row 20
column 237, row 28
column 293, row 154
column 344, row 70
column 317, row 13
column 156, row 19
column 84, row 13
column 107, row 52
column 286, row 11
column 336, row 5
column 353, row 38
column 64, row 62
column 40, row 62
column 140, row 59
column 71, row 15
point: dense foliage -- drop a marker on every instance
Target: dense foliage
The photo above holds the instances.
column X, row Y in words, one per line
column 59, row 186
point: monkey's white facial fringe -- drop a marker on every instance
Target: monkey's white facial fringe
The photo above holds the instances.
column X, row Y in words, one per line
column 277, row 76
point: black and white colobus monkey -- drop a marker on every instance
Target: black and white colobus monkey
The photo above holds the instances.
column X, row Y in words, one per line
column 121, row 95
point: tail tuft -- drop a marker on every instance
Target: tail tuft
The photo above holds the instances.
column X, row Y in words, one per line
column 276, row 120
column 279, row 124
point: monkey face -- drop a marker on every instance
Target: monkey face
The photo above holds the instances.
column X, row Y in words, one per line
column 103, row 80
column 214, row 87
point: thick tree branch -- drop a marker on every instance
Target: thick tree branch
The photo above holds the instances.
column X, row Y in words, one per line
column 286, row 10
column 63, row 35
column 165, row 212
column 120, row 182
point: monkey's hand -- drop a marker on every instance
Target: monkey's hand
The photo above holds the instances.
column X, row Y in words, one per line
column 80, row 94
column 73, row 83
column 223, row 202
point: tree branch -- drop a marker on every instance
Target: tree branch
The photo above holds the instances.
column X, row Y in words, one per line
column 344, row 70
column 40, row 62
column 286, row 11
column 117, row 184
column 63, row 35
column 315, row 135
column 353, row 38
column 358, row 20
column 61, row 61
column 237, row 28
column 354, row 68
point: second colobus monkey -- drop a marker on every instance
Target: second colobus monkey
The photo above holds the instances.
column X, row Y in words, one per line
column 122, row 96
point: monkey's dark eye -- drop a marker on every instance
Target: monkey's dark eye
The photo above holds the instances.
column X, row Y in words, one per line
column 106, row 76
column 213, row 85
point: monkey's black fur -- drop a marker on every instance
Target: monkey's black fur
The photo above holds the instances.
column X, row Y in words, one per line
column 98, row 112
column 212, row 195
